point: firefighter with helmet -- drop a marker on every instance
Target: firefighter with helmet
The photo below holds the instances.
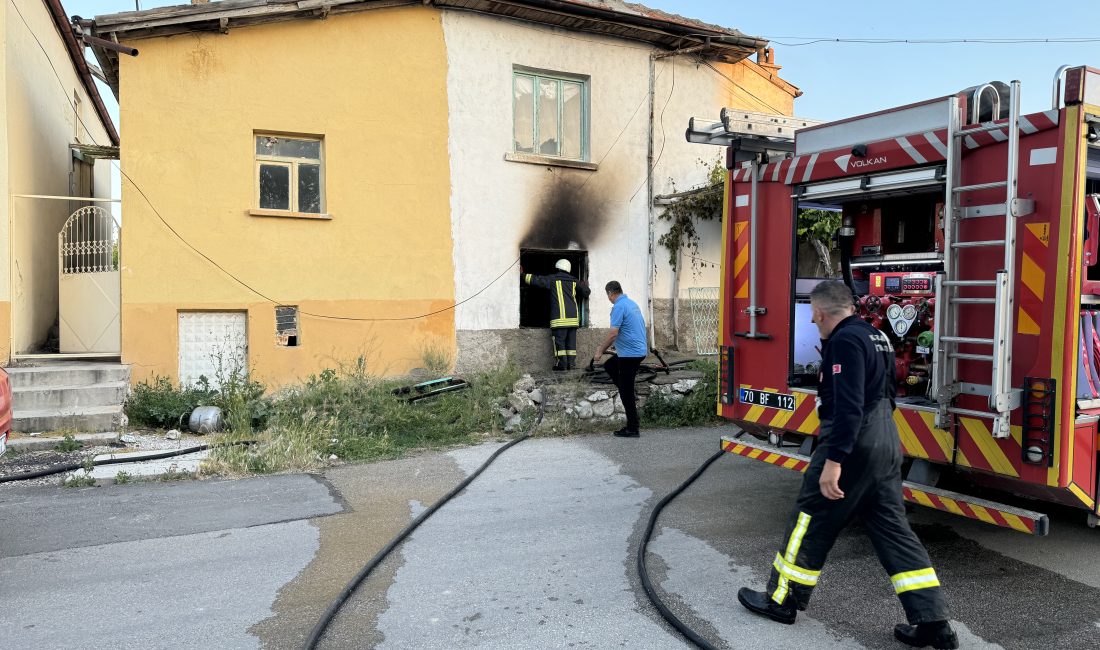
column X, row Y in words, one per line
column 565, row 315
column 855, row 472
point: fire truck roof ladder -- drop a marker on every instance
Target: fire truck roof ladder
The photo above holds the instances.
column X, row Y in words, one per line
column 1003, row 398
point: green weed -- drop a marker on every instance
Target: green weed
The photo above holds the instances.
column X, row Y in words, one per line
column 699, row 408
column 356, row 416
column 69, row 443
column 79, row 481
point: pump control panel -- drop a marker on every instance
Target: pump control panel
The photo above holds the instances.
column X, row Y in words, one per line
column 903, row 284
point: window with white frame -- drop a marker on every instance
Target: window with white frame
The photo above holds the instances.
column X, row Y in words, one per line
column 550, row 114
column 289, row 174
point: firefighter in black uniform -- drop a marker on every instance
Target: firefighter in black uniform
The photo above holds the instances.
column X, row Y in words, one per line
column 565, row 316
column 855, row 472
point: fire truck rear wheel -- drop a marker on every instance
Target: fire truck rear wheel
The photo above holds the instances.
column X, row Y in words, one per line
column 1094, row 520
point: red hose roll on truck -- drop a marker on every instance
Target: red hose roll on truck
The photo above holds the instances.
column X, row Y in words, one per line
column 969, row 236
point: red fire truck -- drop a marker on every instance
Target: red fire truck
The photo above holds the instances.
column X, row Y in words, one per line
column 969, row 236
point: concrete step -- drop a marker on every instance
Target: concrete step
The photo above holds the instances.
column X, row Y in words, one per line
column 37, row 398
column 81, row 418
column 68, row 374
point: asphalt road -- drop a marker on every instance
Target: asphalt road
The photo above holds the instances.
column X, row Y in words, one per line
column 537, row 553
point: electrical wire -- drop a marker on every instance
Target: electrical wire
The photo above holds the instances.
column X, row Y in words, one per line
column 277, row 303
column 817, row 40
column 664, row 138
column 735, row 86
column 206, row 257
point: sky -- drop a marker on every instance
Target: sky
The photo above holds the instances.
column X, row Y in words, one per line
column 845, row 79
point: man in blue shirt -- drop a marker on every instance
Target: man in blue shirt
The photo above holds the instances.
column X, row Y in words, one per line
column 629, row 336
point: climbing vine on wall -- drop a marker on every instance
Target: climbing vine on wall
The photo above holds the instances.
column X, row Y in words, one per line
column 703, row 203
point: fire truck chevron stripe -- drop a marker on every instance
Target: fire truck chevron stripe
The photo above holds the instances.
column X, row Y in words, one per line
column 1032, row 276
column 903, row 142
column 810, row 168
column 986, row 511
column 741, row 260
column 975, row 436
column 910, row 443
column 1025, row 324
column 774, row 458
column 934, row 140
column 792, row 169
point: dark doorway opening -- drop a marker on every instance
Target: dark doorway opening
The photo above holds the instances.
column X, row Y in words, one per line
column 534, row 302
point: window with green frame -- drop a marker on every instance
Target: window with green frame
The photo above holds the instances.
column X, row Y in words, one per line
column 550, row 115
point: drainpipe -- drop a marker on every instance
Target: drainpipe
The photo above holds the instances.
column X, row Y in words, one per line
column 676, row 299
column 651, row 273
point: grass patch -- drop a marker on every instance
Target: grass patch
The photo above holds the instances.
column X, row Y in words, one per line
column 355, row 416
column 79, row 481
column 123, row 478
column 699, row 408
column 69, row 443
column 165, row 405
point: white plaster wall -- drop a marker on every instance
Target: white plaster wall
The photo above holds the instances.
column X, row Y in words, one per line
column 694, row 90
column 39, row 126
column 493, row 201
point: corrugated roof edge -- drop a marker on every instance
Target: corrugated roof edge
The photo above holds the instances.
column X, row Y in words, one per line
column 75, row 50
column 631, row 21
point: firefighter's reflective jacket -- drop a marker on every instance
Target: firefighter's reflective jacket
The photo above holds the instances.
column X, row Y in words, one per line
column 563, row 290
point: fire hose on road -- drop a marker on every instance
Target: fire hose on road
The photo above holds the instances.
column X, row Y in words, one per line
column 643, row 572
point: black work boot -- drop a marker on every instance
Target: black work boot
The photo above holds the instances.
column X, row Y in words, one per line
column 937, row 634
column 760, row 603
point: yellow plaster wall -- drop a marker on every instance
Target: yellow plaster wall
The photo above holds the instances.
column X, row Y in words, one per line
column 373, row 84
column 755, row 91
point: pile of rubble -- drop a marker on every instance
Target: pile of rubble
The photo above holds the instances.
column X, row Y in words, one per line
column 565, row 401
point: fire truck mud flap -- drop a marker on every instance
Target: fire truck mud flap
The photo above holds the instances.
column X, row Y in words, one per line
column 997, row 514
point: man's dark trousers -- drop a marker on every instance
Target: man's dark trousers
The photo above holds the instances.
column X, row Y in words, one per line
column 565, row 346
column 871, row 481
column 622, row 371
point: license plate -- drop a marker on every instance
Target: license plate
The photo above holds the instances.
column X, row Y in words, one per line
column 767, row 399
column 3, row 443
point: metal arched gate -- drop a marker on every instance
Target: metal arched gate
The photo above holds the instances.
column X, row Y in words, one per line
column 89, row 288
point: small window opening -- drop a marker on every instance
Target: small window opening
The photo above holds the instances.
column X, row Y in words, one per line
column 286, row 327
column 534, row 302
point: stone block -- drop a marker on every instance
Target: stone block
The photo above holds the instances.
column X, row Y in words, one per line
column 525, row 384
column 598, row 396
column 603, row 409
column 685, row 386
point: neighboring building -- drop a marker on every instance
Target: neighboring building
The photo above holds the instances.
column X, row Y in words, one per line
column 54, row 134
column 416, row 160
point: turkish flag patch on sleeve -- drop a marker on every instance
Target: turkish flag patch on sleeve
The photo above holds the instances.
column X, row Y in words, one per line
column 836, row 368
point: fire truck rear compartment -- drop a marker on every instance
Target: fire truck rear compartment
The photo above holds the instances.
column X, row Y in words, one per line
column 890, row 252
